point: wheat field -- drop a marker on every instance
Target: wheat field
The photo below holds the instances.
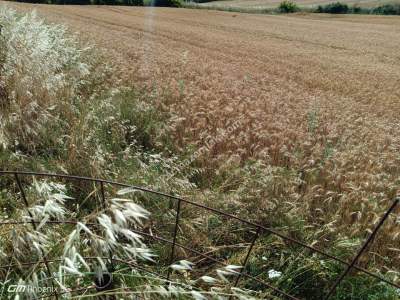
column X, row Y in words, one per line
column 316, row 96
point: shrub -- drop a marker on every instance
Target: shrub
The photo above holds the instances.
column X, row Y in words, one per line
column 288, row 6
column 202, row 1
column 133, row 2
column 333, row 8
column 166, row 3
column 117, row 2
column 356, row 9
column 387, row 9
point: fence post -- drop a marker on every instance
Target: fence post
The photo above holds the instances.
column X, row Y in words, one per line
column 23, row 196
column 244, row 264
column 171, row 258
column 363, row 248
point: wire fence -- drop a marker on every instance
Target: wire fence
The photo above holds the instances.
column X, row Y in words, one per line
column 257, row 229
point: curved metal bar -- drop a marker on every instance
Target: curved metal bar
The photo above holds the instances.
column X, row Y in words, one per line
column 214, row 260
column 179, row 199
column 169, row 242
column 177, row 244
column 358, row 268
column 263, row 228
column 246, row 275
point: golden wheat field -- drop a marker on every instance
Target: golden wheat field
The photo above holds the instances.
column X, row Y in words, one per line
column 315, row 95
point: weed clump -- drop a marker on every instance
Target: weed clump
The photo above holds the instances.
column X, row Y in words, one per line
column 288, row 6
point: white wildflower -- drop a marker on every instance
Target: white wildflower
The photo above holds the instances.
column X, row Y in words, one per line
column 274, row 274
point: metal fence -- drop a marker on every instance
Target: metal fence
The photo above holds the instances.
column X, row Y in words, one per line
column 259, row 230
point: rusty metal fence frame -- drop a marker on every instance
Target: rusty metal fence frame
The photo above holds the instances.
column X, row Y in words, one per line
column 259, row 230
